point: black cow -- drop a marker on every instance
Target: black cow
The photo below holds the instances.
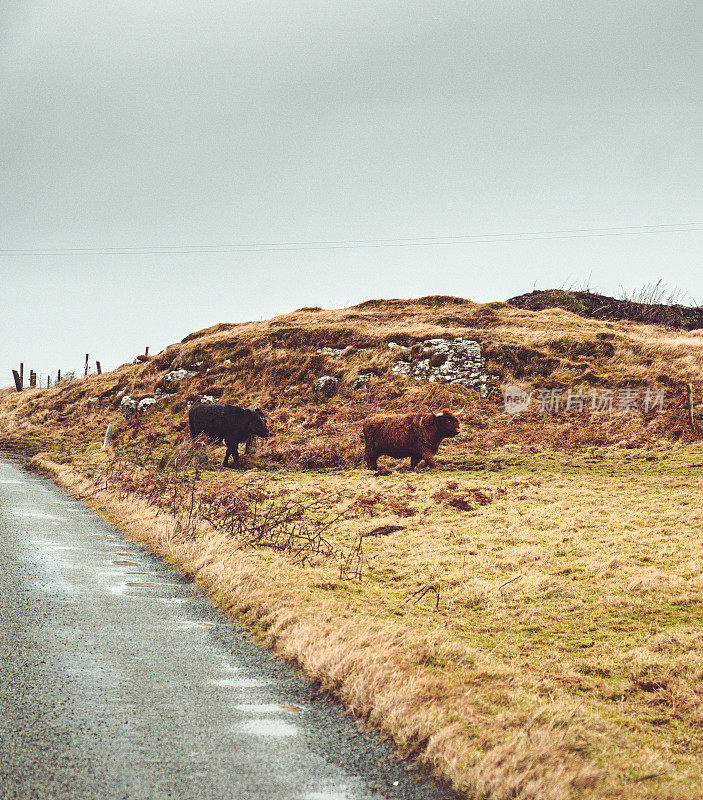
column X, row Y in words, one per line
column 232, row 424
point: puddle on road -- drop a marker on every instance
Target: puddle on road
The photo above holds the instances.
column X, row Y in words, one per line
column 292, row 709
column 240, row 683
column 153, row 590
column 150, row 584
column 190, row 624
column 55, row 586
column 268, row 708
column 36, row 515
column 224, row 665
column 43, row 543
column 149, row 590
column 268, row 727
column 120, row 590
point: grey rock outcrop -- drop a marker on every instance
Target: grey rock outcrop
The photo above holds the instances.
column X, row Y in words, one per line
column 326, row 385
column 178, row 375
column 447, row 361
column 335, row 352
column 128, row 406
column 362, row 379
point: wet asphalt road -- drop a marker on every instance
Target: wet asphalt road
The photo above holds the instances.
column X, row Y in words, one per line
column 119, row 680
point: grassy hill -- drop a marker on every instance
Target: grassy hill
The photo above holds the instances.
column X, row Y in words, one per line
column 275, row 363
column 525, row 620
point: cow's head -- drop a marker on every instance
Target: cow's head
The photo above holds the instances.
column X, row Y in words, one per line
column 446, row 424
column 257, row 423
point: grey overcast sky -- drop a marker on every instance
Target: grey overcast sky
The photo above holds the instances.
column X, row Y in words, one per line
column 189, row 125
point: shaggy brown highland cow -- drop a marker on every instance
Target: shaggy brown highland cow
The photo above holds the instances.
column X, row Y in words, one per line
column 401, row 435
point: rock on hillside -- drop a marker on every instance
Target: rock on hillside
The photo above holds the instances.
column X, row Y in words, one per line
column 600, row 306
column 447, row 361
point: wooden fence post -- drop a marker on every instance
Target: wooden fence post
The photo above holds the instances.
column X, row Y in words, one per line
column 107, row 441
column 22, row 374
column 97, row 364
column 87, row 356
column 146, row 352
column 18, row 380
column 32, row 379
column 58, row 377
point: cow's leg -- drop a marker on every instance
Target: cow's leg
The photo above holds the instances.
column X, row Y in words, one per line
column 370, row 457
column 414, row 461
column 428, row 457
column 235, row 455
column 232, row 450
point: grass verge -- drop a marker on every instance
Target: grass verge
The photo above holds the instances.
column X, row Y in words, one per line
column 563, row 657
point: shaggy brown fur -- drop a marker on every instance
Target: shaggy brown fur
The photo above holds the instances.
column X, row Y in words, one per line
column 403, row 435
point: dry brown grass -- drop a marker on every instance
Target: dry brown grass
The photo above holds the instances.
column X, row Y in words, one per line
column 564, row 660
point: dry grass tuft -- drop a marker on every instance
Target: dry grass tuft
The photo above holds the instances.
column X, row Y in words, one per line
column 466, row 498
column 544, row 759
